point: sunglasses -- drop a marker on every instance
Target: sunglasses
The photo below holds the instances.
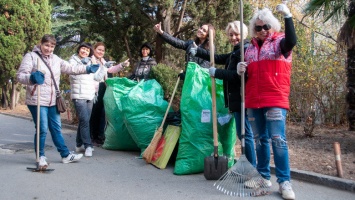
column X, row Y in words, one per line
column 266, row 27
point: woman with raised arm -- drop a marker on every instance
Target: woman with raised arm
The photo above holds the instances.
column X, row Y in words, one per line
column 268, row 63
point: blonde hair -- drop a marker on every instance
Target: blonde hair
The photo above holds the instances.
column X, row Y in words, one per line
column 235, row 26
column 267, row 17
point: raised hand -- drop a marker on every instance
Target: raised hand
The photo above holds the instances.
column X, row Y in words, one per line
column 125, row 63
column 193, row 49
column 157, row 28
column 284, row 10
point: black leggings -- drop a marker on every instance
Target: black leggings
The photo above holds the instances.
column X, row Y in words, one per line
column 97, row 119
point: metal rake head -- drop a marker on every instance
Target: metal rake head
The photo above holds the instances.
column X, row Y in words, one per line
column 242, row 180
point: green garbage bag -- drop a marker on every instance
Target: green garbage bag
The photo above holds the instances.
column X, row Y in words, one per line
column 143, row 111
column 116, row 133
column 196, row 139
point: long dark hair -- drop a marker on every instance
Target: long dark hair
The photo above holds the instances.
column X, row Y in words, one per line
column 205, row 44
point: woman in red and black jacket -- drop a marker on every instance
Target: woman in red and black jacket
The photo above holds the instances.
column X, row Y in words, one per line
column 268, row 62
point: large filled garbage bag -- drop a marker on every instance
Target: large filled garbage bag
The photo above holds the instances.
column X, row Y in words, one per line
column 143, row 111
column 116, row 133
column 196, row 139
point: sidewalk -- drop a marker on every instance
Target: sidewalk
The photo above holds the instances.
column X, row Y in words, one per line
column 311, row 177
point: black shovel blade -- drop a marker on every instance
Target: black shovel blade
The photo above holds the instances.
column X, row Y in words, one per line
column 36, row 169
column 215, row 167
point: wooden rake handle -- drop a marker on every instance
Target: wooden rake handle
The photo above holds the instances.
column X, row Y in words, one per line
column 38, row 123
column 171, row 100
column 213, row 92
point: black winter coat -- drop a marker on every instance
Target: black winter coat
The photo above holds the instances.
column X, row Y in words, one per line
column 185, row 45
column 229, row 75
column 142, row 69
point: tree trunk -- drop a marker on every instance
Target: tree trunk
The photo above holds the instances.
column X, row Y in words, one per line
column 4, row 102
column 351, row 88
column 181, row 16
column 13, row 94
column 163, row 16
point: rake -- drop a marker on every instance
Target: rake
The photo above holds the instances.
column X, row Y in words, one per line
column 242, row 179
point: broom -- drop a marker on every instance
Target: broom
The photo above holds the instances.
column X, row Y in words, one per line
column 242, row 179
column 150, row 150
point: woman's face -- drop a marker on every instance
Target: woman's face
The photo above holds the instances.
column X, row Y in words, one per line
column 233, row 37
column 47, row 48
column 145, row 51
column 260, row 27
column 202, row 32
column 99, row 52
column 84, row 52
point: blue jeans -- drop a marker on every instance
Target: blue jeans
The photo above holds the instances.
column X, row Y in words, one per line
column 270, row 123
column 49, row 118
column 249, row 138
column 83, row 110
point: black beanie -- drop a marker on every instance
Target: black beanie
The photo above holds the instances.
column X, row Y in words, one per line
column 149, row 47
column 87, row 45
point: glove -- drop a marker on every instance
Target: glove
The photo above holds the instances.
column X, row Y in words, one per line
column 193, row 49
column 37, row 77
column 86, row 60
column 92, row 68
column 182, row 76
column 283, row 9
column 212, row 71
column 109, row 64
column 125, row 63
column 241, row 67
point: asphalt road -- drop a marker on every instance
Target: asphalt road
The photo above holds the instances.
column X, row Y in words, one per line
column 109, row 174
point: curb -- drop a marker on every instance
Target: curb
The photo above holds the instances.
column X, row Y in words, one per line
column 311, row 177
column 67, row 126
column 321, row 179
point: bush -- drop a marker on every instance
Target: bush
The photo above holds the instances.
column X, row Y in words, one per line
column 167, row 77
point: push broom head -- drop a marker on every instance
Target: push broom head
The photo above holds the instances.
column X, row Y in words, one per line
column 150, row 150
column 242, row 180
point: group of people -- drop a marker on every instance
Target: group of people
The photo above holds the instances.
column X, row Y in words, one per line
column 267, row 71
column 88, row 70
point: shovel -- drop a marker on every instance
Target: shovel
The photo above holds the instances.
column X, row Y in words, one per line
column 214, row 166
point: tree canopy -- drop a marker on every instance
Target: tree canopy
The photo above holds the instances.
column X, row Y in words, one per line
column 22, row 24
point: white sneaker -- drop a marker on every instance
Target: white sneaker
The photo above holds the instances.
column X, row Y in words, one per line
column 72, row 158
column 81, row 149
column 88, row 151
column 258, row 182
column 42, row 162
column 286, row 191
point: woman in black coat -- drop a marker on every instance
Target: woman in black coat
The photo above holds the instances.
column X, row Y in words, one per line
column 144, row 65
column 202, row 40
column 232, row 82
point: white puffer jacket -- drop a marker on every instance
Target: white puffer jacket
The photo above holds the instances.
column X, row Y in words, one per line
column 57, row 65
column 83, row 85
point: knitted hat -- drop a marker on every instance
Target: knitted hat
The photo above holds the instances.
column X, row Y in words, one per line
column 149, row 47
column 87, row 45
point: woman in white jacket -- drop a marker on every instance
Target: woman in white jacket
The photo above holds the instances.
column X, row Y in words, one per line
column 83, row 94
column 29, row 75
